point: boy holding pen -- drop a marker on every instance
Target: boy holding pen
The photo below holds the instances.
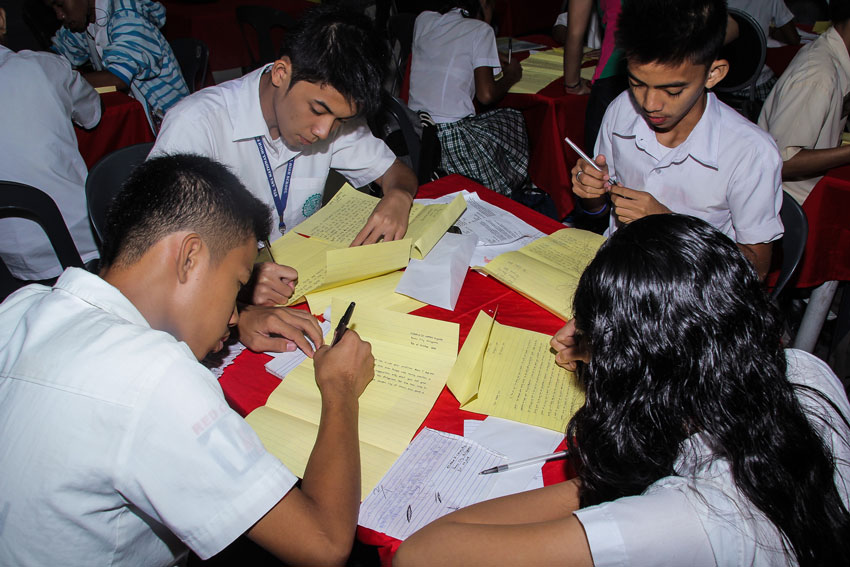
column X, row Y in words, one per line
column 119, row 447
column 671, row 144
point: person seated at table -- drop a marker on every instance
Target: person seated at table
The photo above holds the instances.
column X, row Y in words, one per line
column 121, row 40
column 671, row 145
column 454, row 61
column 41, row 96
column 119, row 447
column 806, row 111
column 281, row 129
column 701, row 441
column 776, row 21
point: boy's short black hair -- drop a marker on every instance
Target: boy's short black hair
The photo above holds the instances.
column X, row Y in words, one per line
column 181, row 192
column 670, row 32
column 472, row 8
column 339, row 47
column 839, row 11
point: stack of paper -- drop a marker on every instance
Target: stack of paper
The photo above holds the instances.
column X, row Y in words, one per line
column 547, row 270
column 413, row 358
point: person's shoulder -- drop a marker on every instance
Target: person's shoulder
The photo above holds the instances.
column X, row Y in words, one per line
column 621, row 111
column 740, row 132
column 39, row 62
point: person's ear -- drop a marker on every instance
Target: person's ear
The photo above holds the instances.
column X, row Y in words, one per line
column 282, row 72
column 2, row 25
column 717, row 72
column 192, row 254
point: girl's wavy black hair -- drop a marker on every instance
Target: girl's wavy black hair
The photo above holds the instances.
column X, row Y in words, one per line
column 684, row 339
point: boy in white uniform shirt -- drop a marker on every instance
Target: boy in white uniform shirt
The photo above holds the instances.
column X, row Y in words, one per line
column 671, row 145
column 281, row 129
column 119, row 447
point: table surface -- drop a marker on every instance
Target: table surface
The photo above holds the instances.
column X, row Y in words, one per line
column 247, row 385
column 123, row 123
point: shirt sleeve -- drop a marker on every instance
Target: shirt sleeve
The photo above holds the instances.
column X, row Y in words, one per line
column 86, row 108
column 72, row 46
column 484, row 50
column 798, row 114
column 193, row 464
column 185, row 129
column 359, row 156
column 135, row 49
column 755, row 197
column 781, row 14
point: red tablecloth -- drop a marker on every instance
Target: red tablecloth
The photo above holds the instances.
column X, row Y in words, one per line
column 550, row 115
column 215, row 24
column 123, row 123
column 247, row 385
column 827, row 255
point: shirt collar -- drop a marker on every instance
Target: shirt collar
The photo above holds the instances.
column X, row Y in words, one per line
column 702, row 144
column 99, row 293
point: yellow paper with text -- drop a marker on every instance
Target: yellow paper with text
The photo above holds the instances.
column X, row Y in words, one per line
column 346, row 213
column 547, row 270
column 514, row 376
column 323, row 265
column 538, row 70
column 413, row 358
column 374, row 292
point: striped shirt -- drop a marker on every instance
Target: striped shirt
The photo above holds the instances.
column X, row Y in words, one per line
column 125, row 40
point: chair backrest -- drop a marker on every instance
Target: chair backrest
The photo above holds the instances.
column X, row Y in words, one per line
column 793, row 241
column 746, row 54
column 107, row 177
column 262, row 19
column 400, row 35
column 19, row 200
column 192, row 56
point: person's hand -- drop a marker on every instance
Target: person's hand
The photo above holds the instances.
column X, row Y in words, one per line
column 582, row 88
column 271, row 284
column 346, row 368
column 511, row 72
column 631, row 204
column 567, row 346
column 389, row 219
column 589, row 183
column 278, row 329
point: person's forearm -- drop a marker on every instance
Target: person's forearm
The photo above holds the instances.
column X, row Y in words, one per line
column 400, row 178
column 810, row 163
column 786, row 34
column 105, row 79
column 759, row 255
column 579, row 11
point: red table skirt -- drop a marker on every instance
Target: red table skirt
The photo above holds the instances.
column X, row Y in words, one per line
column 247, row 385
column 123, row 123
column 827, row 255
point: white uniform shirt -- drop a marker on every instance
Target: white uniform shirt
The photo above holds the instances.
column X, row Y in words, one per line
column 41, row 96
column 447, row 48
column 727, row 172
column 700, row 518
column 221, row 122
column 808, row 107
column 117, row 443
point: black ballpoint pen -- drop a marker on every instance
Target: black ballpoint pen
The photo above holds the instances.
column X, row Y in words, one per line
column 342, row 326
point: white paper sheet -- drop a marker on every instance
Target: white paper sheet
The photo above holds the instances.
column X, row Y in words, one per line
column 437, row 474
column 282, row 363
column 437, row 279
column 516, row 441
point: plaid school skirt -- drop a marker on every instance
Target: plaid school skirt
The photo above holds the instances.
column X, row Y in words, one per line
column 490, row 148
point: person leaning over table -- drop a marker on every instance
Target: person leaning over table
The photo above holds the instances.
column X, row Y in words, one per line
column 118, row 445
column 806, row 111
column 122, row 42
column 298, row 118
column 42, row 98
column 673, row 146
column 454, row 62
column 701, row 441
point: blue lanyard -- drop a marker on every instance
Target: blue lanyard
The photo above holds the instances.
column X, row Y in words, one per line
column 279, row 198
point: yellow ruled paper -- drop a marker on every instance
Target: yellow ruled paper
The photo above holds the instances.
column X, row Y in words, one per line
column 413, row 358
column 547, row 270
column 323, row 265
column 347, row 212
column 374, row 292
column 511, row 373
column 538, row 70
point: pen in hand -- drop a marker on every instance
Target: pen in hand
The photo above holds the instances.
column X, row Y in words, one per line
column 342, row 326
column 510, row 49
column 585, row 157
column 526, row 462
column 269, row 248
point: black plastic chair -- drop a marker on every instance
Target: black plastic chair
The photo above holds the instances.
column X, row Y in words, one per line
column 418, row 147
column 25, row 201
column 746, row 56
column 192, row 56
column 262, row 19
column 106, row 179
column 793, row 242
column 400, row 35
